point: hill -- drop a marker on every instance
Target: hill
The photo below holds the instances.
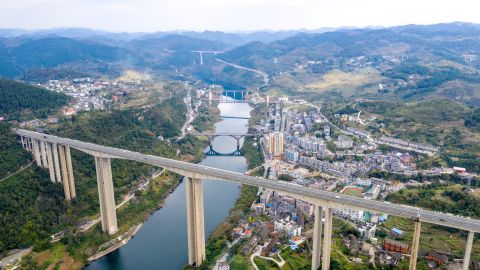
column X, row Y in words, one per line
column 174, row 42
column 413, row 61
column 20, row 100
column 58, row 51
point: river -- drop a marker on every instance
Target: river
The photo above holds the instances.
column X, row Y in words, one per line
column 161, row 243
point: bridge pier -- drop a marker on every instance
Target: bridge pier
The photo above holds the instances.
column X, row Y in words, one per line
column 71, row 180
column 327, row 241
column 468, row 251
column 317, row 238
column 67, row 172
column 36, row 153
column 56, row 163
column 43, row 153
column 63, row 163
column 51, row 168
column 106, row 196
column 24, row 145
column 30, row 143
column 415, row 245
column 195, row 221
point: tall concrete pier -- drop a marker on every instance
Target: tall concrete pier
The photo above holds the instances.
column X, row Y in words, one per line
column 63, row 165
column 56, row 162
column 317, row 238
column 415, row 245
column 106, row 195
column 36, row 153
column 51, row 168
column 195, row 221
column 327, row 241
column 468, row 251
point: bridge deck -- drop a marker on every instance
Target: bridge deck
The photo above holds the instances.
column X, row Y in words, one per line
column 314, row 195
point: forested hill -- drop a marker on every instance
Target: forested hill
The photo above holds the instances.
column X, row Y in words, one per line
column 19, row 100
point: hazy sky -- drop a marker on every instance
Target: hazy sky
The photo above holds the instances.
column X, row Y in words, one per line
column 230, row 15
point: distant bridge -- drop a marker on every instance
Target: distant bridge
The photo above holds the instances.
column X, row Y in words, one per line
column 238, row 96
column 202, row 52
column 236, row 136
column 53, row 153
column 234, row 117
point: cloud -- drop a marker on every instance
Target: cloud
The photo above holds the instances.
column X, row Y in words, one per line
column 155, row 15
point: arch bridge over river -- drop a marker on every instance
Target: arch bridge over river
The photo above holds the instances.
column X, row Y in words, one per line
column 237, row 136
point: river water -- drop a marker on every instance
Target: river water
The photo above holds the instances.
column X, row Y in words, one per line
column 161, row 243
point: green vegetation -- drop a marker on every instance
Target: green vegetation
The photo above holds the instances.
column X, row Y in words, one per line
column 206, row 119
column 430, row 78
column 285, row 177
column 135, row 129
column 36, row 211
column 298, row 259
column 12, row 156
column 446, row 198
column 473, row 120
column 240, row 262
column 252, row 150
column 263, row 264
column 21, row 100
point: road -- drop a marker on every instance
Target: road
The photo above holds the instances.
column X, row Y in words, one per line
column 21, row 170
column 315, row 196
column 261, row 73
column 189, row 116
column 14, row 257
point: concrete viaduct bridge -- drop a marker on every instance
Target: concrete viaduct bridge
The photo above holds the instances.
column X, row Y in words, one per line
column 236, row 136
column 54, row 153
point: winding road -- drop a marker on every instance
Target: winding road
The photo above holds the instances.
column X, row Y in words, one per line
column 19, row 171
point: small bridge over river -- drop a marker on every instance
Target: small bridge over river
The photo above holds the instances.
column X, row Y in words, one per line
column 237, row 136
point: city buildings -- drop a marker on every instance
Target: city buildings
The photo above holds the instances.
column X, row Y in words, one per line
column 276, row 144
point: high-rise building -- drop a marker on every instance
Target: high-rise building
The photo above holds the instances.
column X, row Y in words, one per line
column 291, row 155
column 275, row 143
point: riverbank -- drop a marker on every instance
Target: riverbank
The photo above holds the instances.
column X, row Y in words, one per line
column 119, row 242
column 220, row 240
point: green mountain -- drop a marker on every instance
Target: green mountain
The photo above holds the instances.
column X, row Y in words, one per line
column 174, row 43
column 57, row 51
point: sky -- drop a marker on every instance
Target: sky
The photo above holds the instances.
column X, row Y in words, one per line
column 230, row 15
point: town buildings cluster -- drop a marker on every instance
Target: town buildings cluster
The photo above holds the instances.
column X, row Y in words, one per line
column 90, row 93
column 305, row 148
